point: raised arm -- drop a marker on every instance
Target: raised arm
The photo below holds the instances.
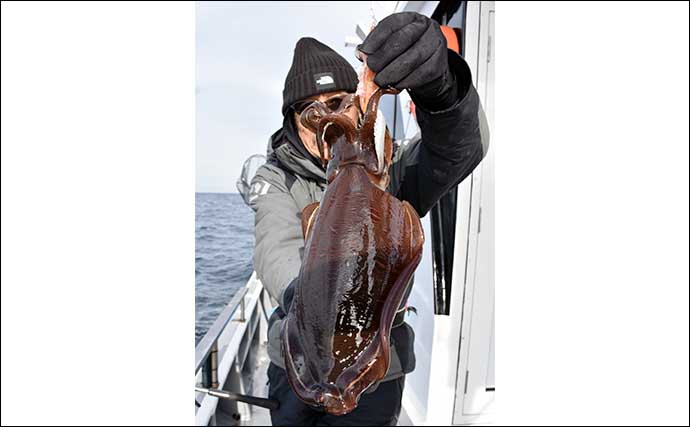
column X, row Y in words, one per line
column 408, row 51
column 452, row 143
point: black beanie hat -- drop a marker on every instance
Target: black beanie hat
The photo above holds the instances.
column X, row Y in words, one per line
column 316, row 69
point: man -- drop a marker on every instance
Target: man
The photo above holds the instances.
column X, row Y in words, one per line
column 406, row 51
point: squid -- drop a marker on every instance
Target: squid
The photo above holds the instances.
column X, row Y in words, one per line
column 362, row 246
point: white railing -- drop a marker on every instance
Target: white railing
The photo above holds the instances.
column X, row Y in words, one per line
column 224, row 350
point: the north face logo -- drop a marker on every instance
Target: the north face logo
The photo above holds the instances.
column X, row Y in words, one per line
column 324, row 80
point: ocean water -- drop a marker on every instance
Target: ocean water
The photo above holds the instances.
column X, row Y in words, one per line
column 224, row 249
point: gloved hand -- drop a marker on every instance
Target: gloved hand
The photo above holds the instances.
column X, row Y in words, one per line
column 408, row 51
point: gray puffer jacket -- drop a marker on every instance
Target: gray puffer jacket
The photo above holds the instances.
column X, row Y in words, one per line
column 451, row 145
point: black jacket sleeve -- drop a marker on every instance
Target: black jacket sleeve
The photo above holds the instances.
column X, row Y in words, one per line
column 452, row 143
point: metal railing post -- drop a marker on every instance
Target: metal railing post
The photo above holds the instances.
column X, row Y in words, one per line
column 202, row 352
column 210, row 374
column 242, row 318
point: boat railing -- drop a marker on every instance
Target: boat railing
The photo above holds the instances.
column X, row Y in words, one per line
column 228, row 353
column 206, row 353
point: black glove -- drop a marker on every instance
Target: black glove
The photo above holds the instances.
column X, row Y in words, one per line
column 408, row 51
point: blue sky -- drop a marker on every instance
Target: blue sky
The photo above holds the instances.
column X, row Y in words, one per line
column 243, row 53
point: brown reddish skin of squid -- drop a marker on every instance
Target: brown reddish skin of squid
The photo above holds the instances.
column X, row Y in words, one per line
column 362, row 247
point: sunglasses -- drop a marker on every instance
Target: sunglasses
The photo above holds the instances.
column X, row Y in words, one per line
column 333, row 103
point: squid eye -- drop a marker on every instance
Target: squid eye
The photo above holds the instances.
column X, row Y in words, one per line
column 310, row 119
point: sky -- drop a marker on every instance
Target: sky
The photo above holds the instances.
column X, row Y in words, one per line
column 243, row 53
